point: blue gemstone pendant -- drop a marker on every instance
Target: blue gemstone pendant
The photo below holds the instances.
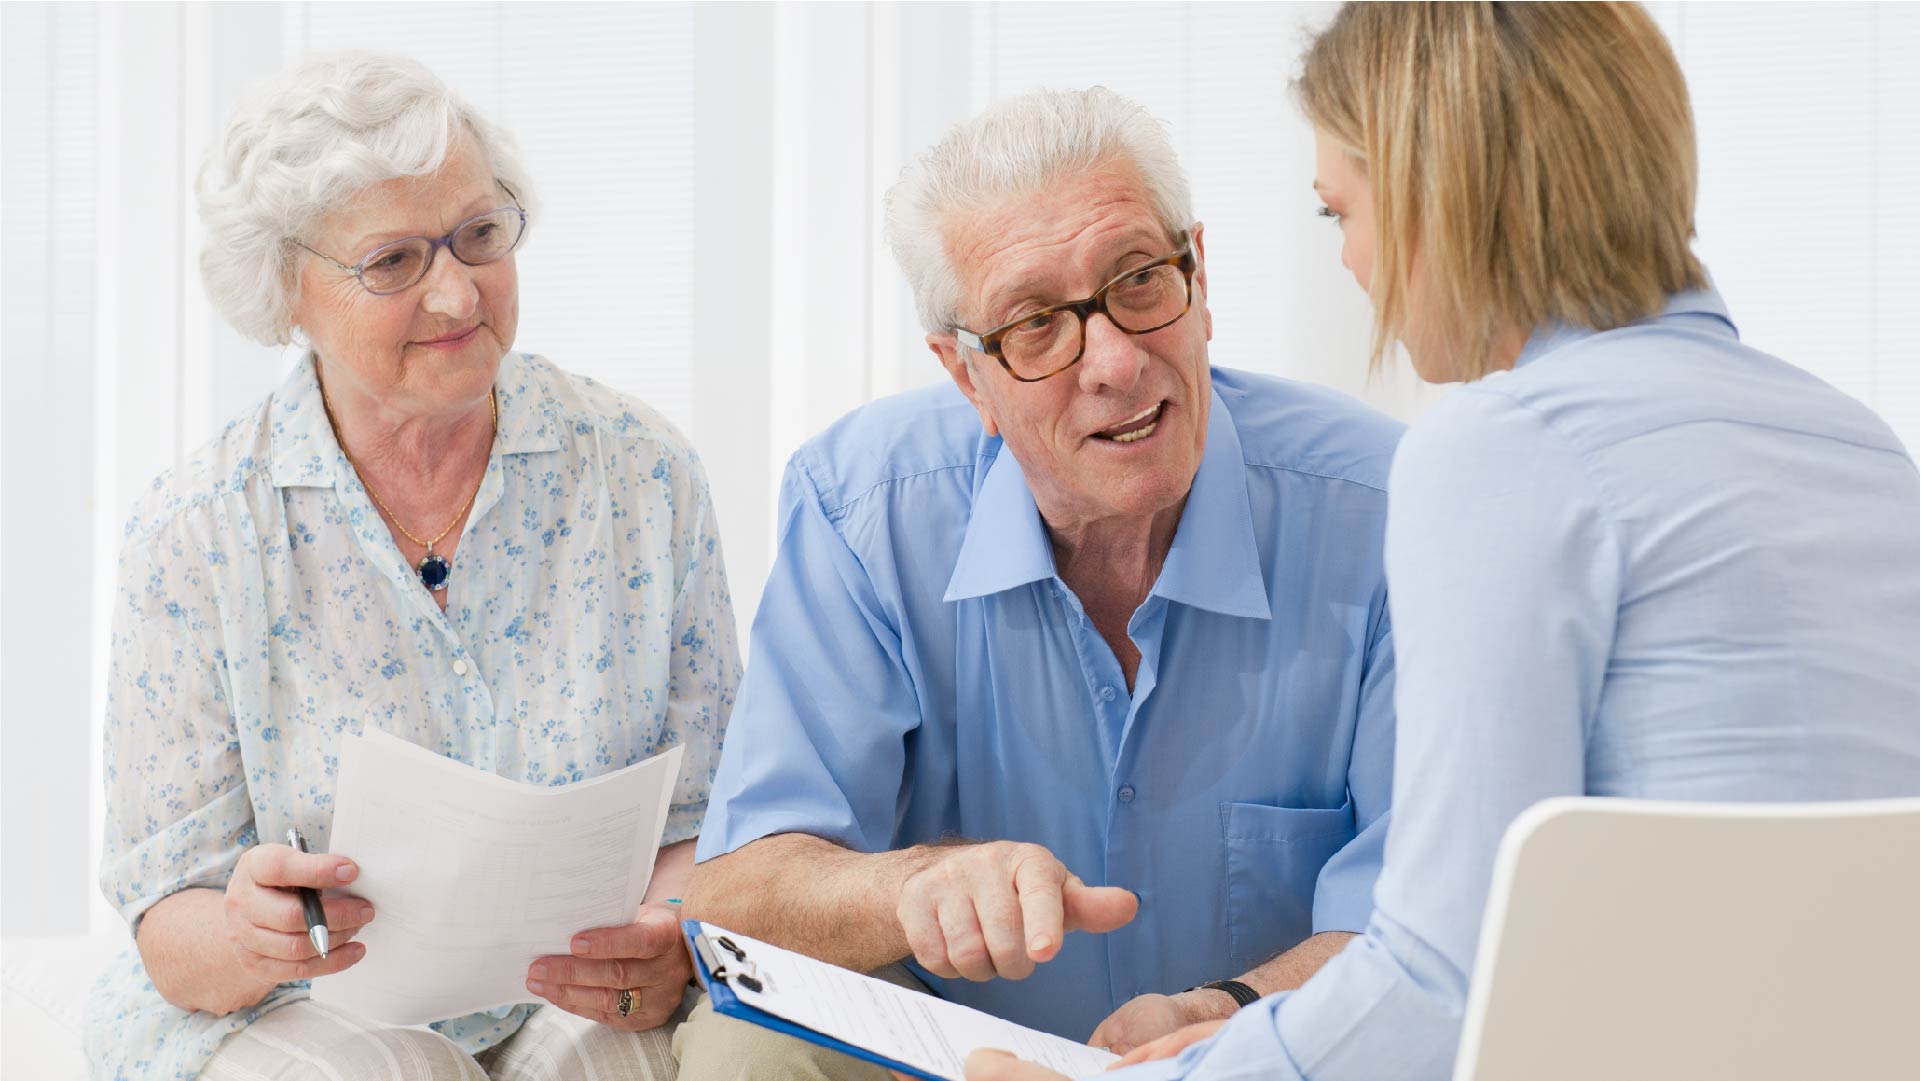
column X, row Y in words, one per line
column 434, row 572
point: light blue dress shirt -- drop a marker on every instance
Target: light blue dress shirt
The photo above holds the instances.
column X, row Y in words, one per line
column 264, row 612
column 1648, row 563
column 919, row 671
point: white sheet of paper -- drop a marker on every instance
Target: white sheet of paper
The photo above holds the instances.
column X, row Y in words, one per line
column 472, row 876
column 923, row 1031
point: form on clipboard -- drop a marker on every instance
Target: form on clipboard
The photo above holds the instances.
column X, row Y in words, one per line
column 871, row 1019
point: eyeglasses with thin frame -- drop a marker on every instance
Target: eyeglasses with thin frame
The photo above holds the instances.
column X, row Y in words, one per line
column 1047, row 342
column 481, row 239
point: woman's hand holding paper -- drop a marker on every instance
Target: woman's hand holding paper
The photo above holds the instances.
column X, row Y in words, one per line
column 646, row 958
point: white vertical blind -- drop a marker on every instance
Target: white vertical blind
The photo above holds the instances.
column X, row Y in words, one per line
column 733, row 284
column 1807, row 119
column 46, row 405
column 823, row 245
column 1896, row 167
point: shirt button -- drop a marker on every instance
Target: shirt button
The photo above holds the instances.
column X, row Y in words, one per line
column 1126, row 793
column 460, row 667
column 1107, row 694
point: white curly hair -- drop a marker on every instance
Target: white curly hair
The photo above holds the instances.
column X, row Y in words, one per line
column 304, row 144
column 1017, row 146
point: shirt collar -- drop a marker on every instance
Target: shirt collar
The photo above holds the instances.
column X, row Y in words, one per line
column 1213, row 564
column 306, row 453
column 1006, row 543
column 529, row 418
column 1696, row 306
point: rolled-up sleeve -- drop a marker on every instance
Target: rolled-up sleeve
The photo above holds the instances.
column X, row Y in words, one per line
column 177, row 808
column 705, row 672
column 816, row 744
column 1505, row 576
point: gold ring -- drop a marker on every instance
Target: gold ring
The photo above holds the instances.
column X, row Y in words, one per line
column 626, row 1004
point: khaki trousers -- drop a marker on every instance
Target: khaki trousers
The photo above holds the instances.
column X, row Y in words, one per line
column 305, row 1041
column 715, row 1048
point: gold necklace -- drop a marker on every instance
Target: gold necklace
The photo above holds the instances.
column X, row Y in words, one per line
column 433, row 568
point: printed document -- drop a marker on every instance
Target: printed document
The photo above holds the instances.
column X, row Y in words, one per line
column 920, row 1030
column 472, row 876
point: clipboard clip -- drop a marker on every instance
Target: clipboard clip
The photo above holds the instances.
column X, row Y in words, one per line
column 734, row 966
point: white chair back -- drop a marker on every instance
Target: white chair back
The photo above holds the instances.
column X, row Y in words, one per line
column 1627, row 940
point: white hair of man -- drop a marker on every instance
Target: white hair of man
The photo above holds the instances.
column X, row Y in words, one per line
column 302, row 146
column 1016, row 147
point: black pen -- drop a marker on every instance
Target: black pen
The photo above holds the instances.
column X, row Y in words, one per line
column 310, row 901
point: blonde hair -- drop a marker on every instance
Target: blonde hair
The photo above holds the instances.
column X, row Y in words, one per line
column 1539, row 158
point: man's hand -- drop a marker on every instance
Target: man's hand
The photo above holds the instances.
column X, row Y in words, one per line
column 995, row 910
column 645, row 957
column 1149, row 1017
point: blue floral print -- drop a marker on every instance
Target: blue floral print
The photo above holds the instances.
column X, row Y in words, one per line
column 264, row 612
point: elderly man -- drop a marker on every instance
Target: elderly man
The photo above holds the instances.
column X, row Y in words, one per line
column 1094, row 640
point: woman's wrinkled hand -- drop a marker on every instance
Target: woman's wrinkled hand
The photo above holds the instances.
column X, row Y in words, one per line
column 1171, row 1044
column 266, row 926
column 646, row 957
column 990, row 1065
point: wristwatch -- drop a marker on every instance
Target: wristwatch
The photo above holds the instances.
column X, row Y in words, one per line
column 1243, row 994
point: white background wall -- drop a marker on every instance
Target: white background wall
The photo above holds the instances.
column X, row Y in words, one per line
column 711, row 177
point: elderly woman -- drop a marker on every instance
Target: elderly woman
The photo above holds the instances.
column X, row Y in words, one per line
column 422, row 533
column 1634, row 557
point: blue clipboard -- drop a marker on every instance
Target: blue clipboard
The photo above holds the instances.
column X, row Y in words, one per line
column 712, row 961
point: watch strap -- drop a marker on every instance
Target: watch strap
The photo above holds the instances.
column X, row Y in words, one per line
column 1243, row 994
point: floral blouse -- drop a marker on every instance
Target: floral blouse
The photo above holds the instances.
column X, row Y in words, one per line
column 264, row 612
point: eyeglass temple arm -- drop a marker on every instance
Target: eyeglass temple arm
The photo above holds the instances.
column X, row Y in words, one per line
column 327, row 257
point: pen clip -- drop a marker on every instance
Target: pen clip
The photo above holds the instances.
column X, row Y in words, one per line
column 707, row 959
column 744, row 972
column 294, row 840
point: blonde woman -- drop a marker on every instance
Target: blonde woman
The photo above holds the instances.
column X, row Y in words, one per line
column 1633, row 557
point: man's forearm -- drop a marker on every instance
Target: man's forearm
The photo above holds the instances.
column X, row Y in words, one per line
column 1292, row 968
column 1284, row 972
column 811, row 896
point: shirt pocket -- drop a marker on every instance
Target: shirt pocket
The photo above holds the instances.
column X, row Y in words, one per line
column 1274, row 856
